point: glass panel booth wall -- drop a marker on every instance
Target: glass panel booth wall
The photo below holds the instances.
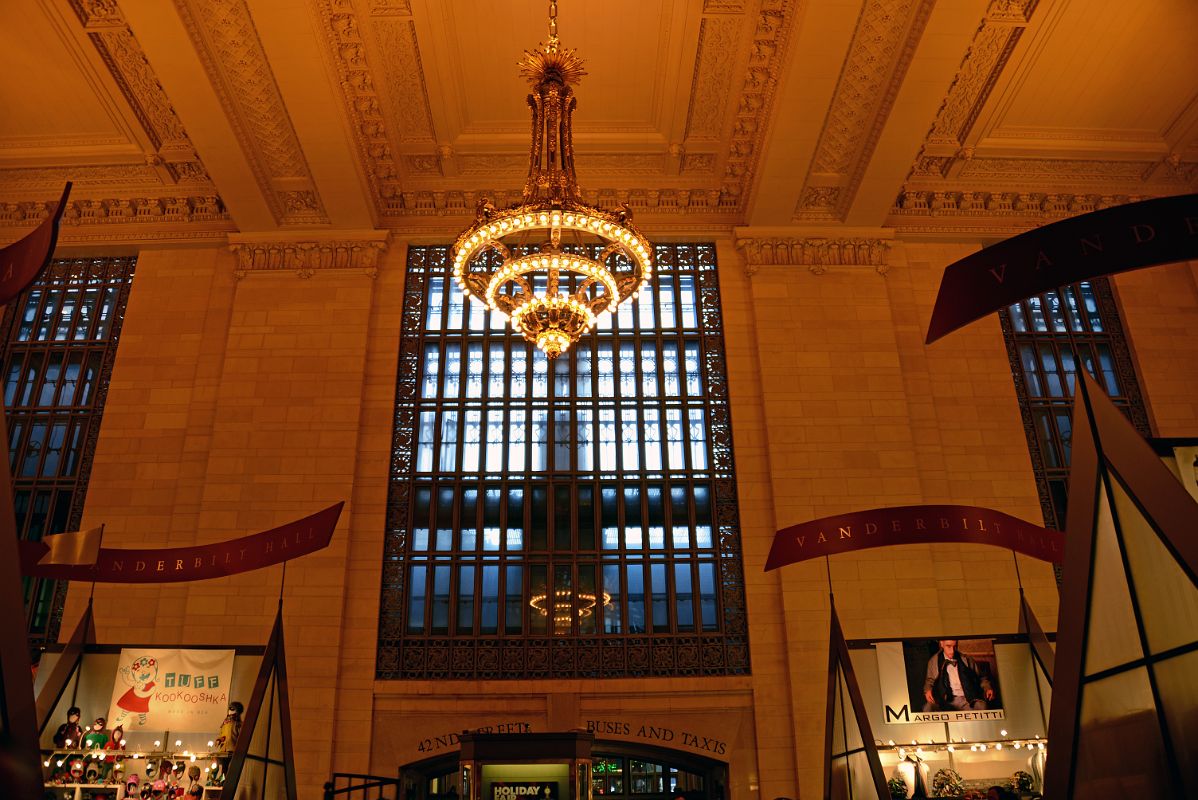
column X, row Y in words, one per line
column 561, row 766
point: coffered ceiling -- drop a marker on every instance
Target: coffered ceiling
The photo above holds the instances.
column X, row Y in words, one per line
column 195, row 118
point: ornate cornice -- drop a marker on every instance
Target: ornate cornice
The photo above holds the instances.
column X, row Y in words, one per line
column 340, row 250
column 233, row 57
column 993, row 214
column 816, row 251
column 881, row 50
column 670, row 202
column 118, row 211
column 25, row 181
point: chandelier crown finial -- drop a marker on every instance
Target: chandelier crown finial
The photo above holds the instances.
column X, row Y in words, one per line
column 552, row 264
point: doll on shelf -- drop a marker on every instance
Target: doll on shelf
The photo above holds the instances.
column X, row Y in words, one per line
column 116, row 739
column 230, row 728
column 96, row 737
column 195, row 787
column 70, row 733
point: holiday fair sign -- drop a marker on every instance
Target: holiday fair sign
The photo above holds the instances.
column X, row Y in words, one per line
column 171, row 690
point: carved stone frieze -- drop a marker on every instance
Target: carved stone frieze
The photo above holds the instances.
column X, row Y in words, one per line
column 718, row 39
column 390, row 8
column 225, row 38
column 817, row 253
column 399, row 58
column 1041, row 170
column 26, row 180
column 1047, row 205
column 411, row 202
column 118, row 210
column 723, row 6
column 98, row 14
column 1019, row 11
column 306, row 257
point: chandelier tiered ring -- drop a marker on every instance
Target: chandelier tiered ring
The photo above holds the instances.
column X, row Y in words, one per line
column 552, row 264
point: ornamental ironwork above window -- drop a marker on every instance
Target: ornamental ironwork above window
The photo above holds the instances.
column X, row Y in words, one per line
column 565, row 518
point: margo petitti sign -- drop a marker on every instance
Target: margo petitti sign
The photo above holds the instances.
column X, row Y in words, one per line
column 881, row 527
column 1104, row 242
column 170, row 564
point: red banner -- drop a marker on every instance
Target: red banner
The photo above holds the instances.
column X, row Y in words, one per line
column 880, row 527
column 173, row 564
column 1104, row 242
column 24, row 259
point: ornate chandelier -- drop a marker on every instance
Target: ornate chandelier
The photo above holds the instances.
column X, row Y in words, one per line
column 565, row 602
column 552, row 264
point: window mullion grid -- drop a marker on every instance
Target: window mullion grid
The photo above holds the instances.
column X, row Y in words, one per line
column 624, row 406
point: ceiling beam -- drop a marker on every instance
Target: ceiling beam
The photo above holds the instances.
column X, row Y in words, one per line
column 166, row 44
column 935, row 63
column 811, row 77
column 298, row 51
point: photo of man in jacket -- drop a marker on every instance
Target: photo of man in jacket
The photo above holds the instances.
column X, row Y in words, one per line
column 954, row 681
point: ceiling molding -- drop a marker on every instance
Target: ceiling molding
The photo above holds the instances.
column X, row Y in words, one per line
column 227, row 42
column 883, row 44
column 994, row 214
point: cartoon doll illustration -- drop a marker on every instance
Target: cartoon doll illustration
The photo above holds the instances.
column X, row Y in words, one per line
column 140, row 676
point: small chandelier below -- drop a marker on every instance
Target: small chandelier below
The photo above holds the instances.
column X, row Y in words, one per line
column 565, row 602
column 530, row 262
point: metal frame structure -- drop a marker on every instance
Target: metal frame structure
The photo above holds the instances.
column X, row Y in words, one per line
column 1108, row 451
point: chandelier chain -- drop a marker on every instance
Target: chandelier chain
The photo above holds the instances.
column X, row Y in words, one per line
column 553, row 40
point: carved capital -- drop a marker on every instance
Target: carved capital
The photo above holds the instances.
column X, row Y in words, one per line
column 305, row 258
column 817, row 253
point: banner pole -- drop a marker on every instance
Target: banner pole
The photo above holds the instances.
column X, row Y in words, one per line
column 92, row 592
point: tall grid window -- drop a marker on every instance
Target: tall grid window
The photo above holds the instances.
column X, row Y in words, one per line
column 60, row 340
column 574, row 517
column 1045, row 334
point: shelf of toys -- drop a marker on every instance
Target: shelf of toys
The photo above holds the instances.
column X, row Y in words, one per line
column 96, row 763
